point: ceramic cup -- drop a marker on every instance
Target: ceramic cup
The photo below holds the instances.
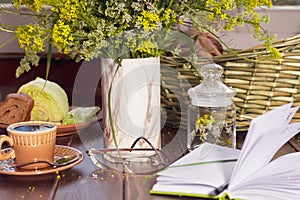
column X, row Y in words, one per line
column 30, row 141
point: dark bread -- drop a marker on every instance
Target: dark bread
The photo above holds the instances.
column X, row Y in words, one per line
column 16, row 108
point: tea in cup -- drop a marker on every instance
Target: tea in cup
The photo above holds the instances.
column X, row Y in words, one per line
column 30, row 141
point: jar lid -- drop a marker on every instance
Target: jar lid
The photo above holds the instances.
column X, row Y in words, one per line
column 212, row 92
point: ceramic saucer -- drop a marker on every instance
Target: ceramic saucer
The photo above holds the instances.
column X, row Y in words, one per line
column 59, row 152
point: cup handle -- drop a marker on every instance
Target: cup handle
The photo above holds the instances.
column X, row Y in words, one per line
column 9, row 153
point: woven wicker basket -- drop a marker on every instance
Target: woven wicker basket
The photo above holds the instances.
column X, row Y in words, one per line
column 261, row 84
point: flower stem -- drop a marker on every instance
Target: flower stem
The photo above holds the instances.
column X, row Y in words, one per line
column 118, row 62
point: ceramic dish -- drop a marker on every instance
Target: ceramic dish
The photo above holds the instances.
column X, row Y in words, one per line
column 59, row 152
column 70, row 129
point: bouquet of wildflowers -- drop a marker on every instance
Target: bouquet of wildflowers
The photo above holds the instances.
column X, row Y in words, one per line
column 83, row 28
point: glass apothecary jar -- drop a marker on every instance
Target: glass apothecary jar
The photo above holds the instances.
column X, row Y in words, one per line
column 211, row 114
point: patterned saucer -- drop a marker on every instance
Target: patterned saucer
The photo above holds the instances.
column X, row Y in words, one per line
column 59, row 152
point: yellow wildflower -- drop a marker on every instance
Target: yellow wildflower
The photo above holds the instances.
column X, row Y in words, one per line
column 148, row 20
column 205, row 120
column 61, row 36
column 275, row 53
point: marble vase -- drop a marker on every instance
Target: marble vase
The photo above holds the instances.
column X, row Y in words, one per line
column 135, row 104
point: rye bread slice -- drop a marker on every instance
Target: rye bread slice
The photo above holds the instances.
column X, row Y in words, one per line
column 16, row 108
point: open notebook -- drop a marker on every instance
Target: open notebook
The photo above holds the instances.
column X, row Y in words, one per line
column 214, row 171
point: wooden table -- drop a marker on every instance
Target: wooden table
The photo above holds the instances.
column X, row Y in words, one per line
column 87, row 181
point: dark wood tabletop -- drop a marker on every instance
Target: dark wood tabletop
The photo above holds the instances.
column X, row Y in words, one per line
column 86, row 181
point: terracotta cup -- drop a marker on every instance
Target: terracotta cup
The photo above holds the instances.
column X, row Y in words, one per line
column 30, row 141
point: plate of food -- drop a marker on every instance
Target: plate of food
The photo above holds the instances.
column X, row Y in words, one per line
column 67, row 129
column 41, row 100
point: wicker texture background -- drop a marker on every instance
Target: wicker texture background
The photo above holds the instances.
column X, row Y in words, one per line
column 261, row 83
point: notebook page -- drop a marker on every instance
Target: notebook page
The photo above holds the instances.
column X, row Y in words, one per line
column 214, row 174
column 263, row 124
column 183, row 188
column 262, row 152
column 280, row 179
